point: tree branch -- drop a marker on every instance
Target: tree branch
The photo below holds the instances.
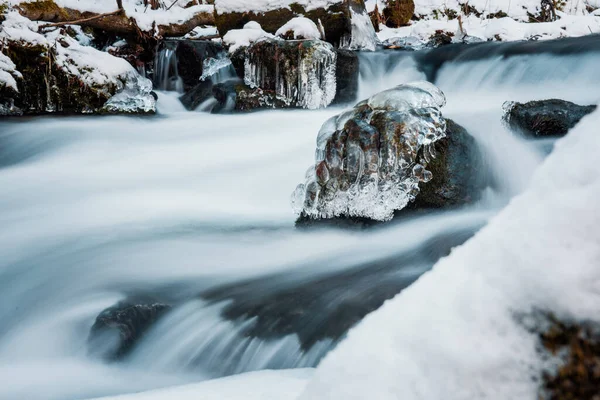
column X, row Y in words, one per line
column 81, row 21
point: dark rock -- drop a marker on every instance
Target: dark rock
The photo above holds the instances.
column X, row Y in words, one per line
column 117, row 329
column 197, row 95
column 577, row 345
column 347, row 76
column 398, row 13
column 544, row 118
column 457, row 172
column 440, row 38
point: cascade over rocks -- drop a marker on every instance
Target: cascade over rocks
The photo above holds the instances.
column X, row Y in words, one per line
column 374, row 160
column 543, row 118
column 188, row 60
column 118, row 328
column 342, row 22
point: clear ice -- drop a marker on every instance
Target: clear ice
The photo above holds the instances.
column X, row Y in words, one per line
column 312, row 84
column 370, row 160
column 134, row 98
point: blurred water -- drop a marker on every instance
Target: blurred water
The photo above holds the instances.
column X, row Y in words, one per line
column 93, row 210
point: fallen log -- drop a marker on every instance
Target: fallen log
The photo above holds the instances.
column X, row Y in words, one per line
column 117, row 22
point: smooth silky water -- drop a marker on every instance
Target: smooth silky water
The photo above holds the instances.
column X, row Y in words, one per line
column 194, row 209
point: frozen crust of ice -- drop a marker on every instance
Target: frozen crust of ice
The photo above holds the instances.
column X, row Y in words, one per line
column 367, row 161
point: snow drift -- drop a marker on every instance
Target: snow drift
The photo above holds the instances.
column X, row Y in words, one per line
column 455, row 334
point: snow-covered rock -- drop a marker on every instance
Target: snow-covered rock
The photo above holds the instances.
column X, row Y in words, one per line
column 251, row 32
column 339, row 22
column 64, row 76
column 299, row 28
column 370, row 160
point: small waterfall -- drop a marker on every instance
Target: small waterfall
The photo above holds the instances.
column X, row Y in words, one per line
column 196, row 336
column 166, row 75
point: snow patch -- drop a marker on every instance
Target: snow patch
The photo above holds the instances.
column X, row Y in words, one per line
column 261, row 6
column 238, row 38
column 302, row 28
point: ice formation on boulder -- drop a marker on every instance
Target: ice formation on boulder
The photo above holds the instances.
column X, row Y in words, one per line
column 369, row 160
column 301, row 73
column 135, row 98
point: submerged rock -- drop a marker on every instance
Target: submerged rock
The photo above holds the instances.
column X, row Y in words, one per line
column 341, row 21
column 370, row 160
column 543, row 118
column 117, row 329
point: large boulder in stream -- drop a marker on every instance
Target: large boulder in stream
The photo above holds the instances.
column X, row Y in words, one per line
column 117, row 329
column 343, row 23
column 381, row 156
column 54, row 73
column 544, row 118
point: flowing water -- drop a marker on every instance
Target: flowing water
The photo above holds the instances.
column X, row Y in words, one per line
column 193, row 209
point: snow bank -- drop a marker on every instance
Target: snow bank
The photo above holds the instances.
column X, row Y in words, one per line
column 228, row 6
column 238, row 38
column 454, row 334
column 301, row 28
column 506, row 29
column 263, row 385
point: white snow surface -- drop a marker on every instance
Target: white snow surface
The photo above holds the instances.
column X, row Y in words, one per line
column 261, row 385
column 144, row 16
column 301, row 27
column 237, row 38
column 261, row 6
column 454, row 334
column 506, row 29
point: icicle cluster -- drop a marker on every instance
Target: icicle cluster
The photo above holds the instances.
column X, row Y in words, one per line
column 369, row 160
column 301, row 73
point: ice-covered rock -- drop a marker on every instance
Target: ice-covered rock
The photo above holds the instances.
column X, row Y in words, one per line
column 301, row 73
column 370, row 160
